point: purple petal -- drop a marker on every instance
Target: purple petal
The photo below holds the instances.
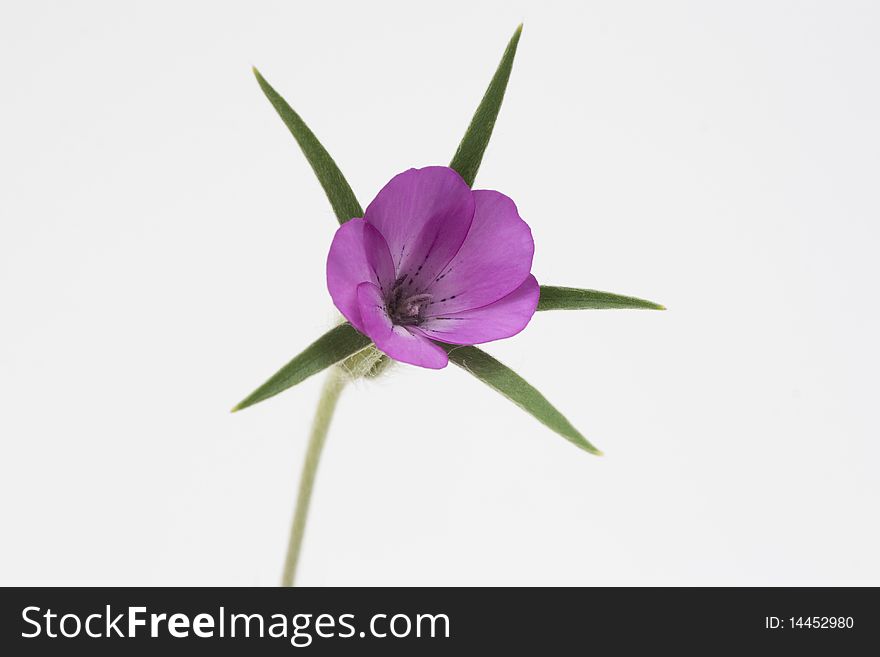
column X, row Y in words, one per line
column 493, row 261
column 358, row 254
column 501, row 319
column 424, row 216
column 396, row 341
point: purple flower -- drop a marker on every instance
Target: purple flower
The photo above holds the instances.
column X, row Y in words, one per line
column 434, row 260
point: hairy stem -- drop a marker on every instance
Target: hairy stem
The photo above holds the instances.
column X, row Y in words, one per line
column 333, row 386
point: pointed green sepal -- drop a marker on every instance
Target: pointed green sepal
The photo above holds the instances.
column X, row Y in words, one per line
column 571, row 298
column 470, row 151
column 334, row 346
column 338, row 191
column 510, row 384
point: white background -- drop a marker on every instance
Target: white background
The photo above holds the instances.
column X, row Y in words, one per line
column 162, row 247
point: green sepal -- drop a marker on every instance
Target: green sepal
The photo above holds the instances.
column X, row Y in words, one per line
column 470, row 151
column 338, row 191
column 510, row 384
column 334, row 346
column 570, row 298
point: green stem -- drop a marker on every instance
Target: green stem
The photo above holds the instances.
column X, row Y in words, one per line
column 333, row 386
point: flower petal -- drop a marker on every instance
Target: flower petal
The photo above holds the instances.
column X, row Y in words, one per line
column 379, row 257
column 493, row 261
column 396, row 341
column 358, row 254
column 501, row 319
column 424, row 216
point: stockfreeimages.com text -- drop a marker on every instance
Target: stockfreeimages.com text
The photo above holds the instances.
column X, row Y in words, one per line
column 300, row 629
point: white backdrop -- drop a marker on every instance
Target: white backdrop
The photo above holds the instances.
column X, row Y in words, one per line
column 162, row 247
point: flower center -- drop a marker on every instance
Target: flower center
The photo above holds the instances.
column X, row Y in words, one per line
column 403, row 308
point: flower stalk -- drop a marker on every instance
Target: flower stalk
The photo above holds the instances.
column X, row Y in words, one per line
column 333, row 386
